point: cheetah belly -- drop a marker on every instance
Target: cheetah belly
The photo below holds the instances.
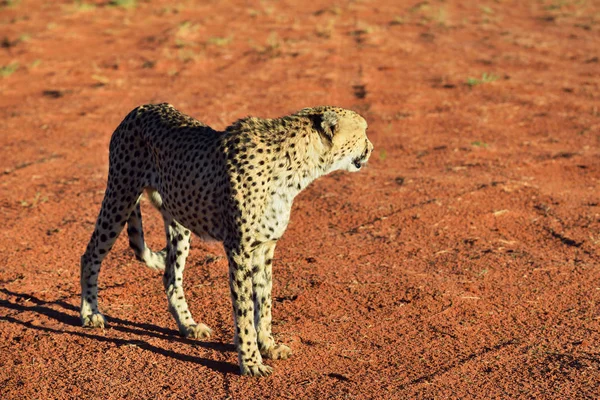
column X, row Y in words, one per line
column 205, row 224
column 197, row 212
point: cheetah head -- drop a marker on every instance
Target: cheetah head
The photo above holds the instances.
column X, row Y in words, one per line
column 344, row 133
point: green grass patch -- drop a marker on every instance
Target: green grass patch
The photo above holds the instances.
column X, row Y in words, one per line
column 485, row 78
column 101, row 80
column 383, row 155
column 557, row 5
column 185, row 34
column 127, row 4
column 186, row 28
column 219, row 41
column 398, row 20
column 272, row 47
column 419, row 7
column 38, row 199
column 8, row 70
column 487, row 10
column 83, row 6
column 9, row 3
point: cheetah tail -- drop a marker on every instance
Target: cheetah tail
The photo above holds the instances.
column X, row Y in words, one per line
column 153, row 259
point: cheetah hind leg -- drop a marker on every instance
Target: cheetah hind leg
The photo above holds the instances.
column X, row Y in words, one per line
column 155, row 260
column 109, row 225
column 178, row 247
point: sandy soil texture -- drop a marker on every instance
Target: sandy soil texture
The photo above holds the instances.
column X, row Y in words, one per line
column 463, row 262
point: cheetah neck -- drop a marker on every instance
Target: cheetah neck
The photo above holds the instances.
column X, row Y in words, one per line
column 301, row 160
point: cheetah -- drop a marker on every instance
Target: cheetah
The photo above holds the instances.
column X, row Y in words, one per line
column 234, row 186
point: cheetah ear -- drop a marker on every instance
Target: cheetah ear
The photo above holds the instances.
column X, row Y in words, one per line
column 330, row 120
column 328, row 125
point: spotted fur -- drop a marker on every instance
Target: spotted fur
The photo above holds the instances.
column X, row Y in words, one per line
column 235, row 186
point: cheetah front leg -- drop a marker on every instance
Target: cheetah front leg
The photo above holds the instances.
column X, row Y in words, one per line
column 240, row 284
column 262, row 284
column 178, row 247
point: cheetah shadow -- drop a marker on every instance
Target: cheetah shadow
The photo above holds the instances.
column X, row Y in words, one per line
column 141, row 329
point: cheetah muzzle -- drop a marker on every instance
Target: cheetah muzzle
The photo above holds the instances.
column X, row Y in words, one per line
column 235, row 186
column 364, row 157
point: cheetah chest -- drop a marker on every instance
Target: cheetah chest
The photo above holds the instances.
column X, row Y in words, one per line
column 276, row 217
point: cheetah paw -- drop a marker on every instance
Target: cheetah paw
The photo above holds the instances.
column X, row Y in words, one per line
column 196, row 331
column 277, row 352
column 93, row 321
column 256, row 370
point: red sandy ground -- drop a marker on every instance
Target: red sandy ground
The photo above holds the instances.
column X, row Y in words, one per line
column 462, row 263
